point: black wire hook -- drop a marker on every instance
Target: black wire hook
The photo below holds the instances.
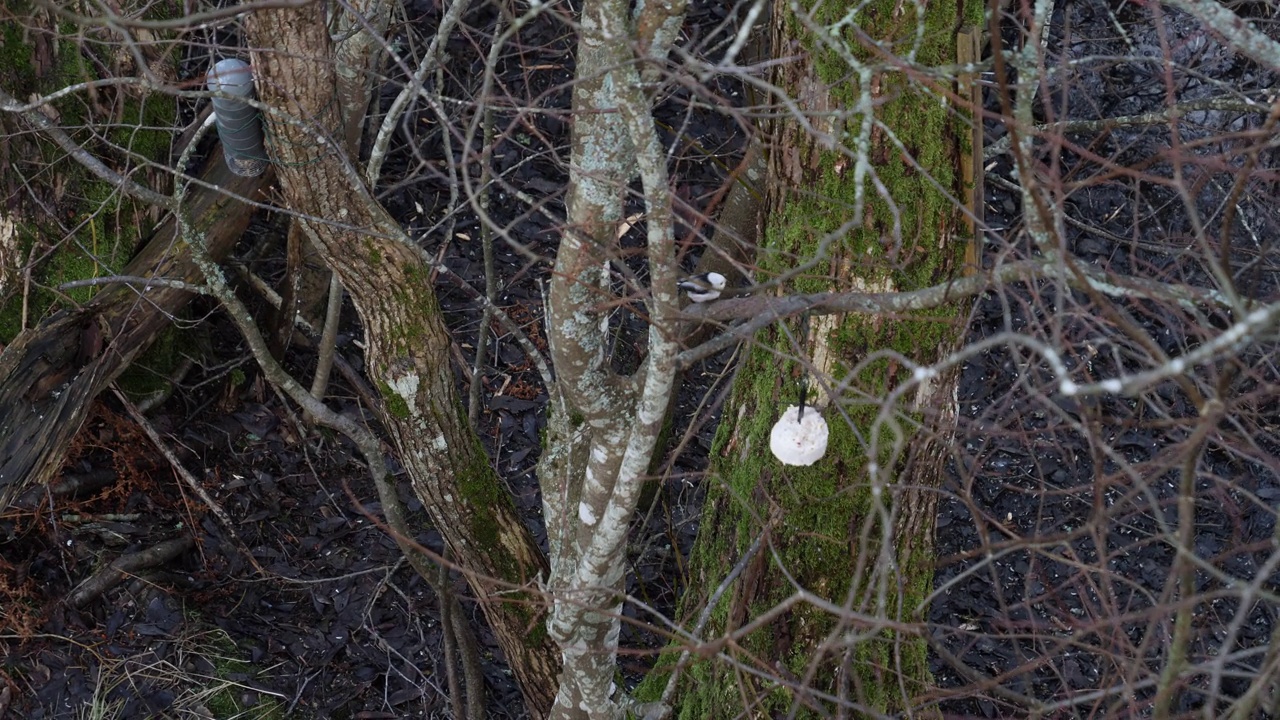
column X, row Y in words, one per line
column 804, row 379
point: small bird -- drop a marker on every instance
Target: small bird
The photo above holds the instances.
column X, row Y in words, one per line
column 705, row 287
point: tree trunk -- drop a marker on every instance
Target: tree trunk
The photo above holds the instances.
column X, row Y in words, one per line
column 389, row 279
column 50, row 374
column 605, row 424
column 856, row 528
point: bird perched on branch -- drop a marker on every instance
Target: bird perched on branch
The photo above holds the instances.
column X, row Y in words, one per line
column 705, row 287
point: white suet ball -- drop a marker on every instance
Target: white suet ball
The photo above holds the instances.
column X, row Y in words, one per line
column 799, row 441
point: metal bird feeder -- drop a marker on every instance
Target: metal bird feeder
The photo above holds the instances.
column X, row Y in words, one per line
column 239, row 124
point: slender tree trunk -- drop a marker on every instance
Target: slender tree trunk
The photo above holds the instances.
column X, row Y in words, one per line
column 856, row 528
column 605, row 425
column 407, row 357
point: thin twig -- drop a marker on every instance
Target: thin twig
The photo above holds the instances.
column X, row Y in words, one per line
column 430, row 60
column 128, row 565
column 187, row 477
column 445, row 596
column 705, row 616
column 490, row 276
column 1183, row 569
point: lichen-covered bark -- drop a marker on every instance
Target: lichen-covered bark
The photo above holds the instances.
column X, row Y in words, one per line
column 307, row 281
column 408, row 346
column 866, row 552
column 604, row 425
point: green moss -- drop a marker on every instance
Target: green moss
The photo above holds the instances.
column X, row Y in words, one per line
column 396, row 405
column 92, row 230
column 821, row 510
column 375, row 253
column 411, row 335
column 224, row 699
column 815, row 516
column 483, row 494
column 921, row 124
column 151, row 372
column 15, row 53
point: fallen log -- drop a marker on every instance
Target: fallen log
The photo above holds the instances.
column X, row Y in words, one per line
column 50, row 374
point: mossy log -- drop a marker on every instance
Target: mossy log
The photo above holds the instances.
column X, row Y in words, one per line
column 50, row 374
column 866, row 558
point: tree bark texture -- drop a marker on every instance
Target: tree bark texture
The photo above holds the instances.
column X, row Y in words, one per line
column 407, row 356
column 855, row 529
column 50, row 374
column 605, row 425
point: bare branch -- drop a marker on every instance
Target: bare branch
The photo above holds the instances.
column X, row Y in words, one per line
column 37, row 120
column 1236, row 30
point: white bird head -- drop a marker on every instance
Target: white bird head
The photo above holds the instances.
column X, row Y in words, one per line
column 705, row 287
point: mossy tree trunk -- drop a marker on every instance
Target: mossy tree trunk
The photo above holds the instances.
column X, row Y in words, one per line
column 854, row 530
column 407, row 357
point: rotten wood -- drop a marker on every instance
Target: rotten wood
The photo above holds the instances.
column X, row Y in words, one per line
column 50, row 374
